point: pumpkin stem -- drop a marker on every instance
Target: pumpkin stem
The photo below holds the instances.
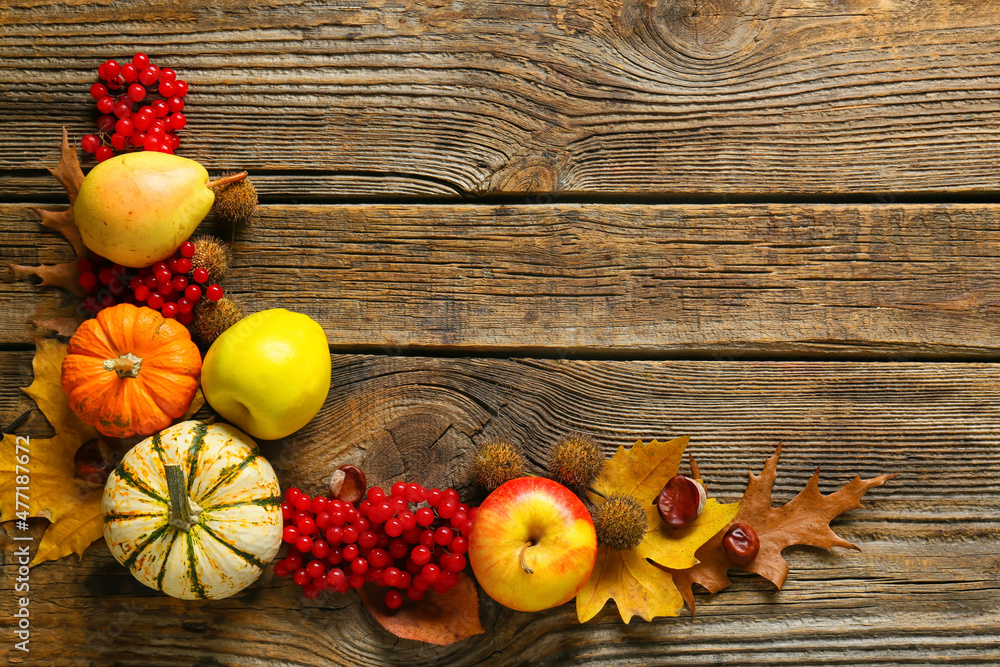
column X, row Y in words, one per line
column 181, row 515
column 127, row 365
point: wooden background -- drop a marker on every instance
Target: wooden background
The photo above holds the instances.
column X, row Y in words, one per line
column 749, row 221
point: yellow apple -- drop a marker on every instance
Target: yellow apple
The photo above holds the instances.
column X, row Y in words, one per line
column 137, row 208
column 269, row 373
column 533, row 544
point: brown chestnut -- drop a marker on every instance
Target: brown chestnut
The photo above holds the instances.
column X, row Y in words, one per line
column 741, row 544
column 681, row 501
column 92, row 462
column 348, row 484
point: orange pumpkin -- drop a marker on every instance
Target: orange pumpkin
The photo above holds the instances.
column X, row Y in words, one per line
column 130, row 371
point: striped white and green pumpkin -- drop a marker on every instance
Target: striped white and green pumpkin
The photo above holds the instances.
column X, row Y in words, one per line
column 194, row 511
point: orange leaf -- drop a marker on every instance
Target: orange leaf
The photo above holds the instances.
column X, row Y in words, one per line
column 803, row 520
column 436, row 619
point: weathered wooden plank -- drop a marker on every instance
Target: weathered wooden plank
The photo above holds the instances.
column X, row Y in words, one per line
column 420, row 416
column 922, row 590
column 735, row 96
column 290, row 187
column 895, row 603
column 823, row 280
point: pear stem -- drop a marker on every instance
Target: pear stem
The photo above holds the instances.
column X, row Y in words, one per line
column 524, row 563
column 226, row 180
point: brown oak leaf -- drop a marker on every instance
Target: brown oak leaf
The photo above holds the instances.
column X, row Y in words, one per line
column 62, row 320
column 64, row 223
column 804, row 520
column 62, row 275
column 68, row 170
column 436, row 619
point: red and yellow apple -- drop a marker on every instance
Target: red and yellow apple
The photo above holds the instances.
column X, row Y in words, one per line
column 533, row 544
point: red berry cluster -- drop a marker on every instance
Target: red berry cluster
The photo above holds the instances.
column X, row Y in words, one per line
column 409, row 541
column 121, row 126
column 172, row 286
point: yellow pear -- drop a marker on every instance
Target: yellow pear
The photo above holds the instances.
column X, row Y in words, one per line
column 137, row 208
column 269, row 373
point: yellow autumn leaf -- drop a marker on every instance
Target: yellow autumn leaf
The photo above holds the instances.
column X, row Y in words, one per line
column 75, row 530
column 630, row 578
column 196, row 404
column 52, row 489
column 664, row 545
column 638, row 588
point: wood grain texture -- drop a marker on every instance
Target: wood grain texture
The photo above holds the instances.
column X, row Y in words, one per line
column 922, row 590
column 907, row 280
column 331, row 103
column 624, row 96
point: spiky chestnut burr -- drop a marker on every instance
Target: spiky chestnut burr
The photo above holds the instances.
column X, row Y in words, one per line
column 576, row 461
column 212, row 254
column 235, row 202
column 620, row 522
column 211, row 318
column 497, row 461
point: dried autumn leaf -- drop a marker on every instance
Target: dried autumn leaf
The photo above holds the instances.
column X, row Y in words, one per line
column 638, row 588
column 636, row 584
column 436, row 619
column 803, row 520
column 64, row 223
column 68, row 170
column 62, row 275
column 63, row 320
column 53, row 490
column 76, row 530
column 196, row 404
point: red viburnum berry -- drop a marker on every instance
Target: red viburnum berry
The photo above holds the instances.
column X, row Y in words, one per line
column 143, row 93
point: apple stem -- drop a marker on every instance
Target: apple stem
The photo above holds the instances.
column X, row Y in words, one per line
column 524, row 563
column 226, row 180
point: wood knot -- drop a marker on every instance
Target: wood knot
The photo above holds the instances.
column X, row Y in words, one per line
column 528, row 175
column 419, row 444
column 708, row 29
